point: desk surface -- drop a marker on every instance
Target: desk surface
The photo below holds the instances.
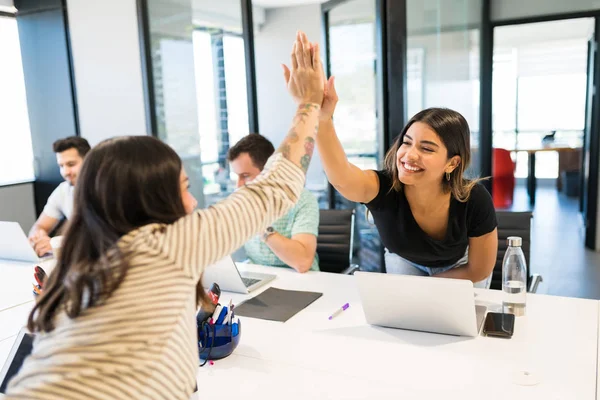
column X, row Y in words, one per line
column 310, row 356
column 16, row 279
column 15, row 284
column 346, row 358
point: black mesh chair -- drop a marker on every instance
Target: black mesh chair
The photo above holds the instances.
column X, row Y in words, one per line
column 336, row 241
column 514, row 224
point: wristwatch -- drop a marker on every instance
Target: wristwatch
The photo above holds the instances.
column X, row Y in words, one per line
column 268, row 232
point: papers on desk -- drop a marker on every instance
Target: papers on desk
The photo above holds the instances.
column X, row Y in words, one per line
column 276, row 304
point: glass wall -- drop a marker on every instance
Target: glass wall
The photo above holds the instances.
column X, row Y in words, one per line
column 539, row 88
column 443, row 61
column 352, row 48
column 16, row 152
column 198, row 63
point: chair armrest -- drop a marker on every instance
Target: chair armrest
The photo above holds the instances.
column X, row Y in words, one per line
column 535, row 281
column 351, row 269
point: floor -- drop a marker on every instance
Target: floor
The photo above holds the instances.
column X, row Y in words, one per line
column 557, row 249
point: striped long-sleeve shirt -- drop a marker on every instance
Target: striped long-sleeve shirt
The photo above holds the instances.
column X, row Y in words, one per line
column 141, row 343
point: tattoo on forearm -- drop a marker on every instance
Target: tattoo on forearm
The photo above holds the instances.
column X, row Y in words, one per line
column 292, row 136
column 285, row 150
column 309, row 143
column 304, row 111
column 309, row 148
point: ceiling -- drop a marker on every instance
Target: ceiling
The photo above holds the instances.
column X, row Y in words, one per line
column 284, row 3
column 540, row 32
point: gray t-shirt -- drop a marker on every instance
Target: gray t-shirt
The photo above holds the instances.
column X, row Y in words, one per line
column 60, row 202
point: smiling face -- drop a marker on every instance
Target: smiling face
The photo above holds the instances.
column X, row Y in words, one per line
column 422, row 157
column 69, row 162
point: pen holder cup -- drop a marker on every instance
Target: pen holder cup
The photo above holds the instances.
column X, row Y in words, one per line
column 218, row 341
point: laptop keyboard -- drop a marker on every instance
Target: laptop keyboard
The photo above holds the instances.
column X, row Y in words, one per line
column 249, row 281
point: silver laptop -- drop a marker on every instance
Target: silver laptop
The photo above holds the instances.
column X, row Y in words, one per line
column 229, row 278
column 21, row 348
column 420, row 303
column 14, row 244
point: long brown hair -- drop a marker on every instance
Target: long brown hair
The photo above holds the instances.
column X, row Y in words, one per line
column 453, row 130
column 124, row 183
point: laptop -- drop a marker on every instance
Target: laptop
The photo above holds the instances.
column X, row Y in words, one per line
column 14, row 244
column 21, row 348
column 229, row 278
column 420, row 303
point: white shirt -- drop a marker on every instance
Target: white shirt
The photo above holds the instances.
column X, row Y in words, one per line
column 60, row 202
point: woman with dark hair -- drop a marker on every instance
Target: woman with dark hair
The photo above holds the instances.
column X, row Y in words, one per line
column 431, row 219
column 117, row 316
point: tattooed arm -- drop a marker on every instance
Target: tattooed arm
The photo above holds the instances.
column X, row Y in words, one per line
column 299, row 144
column 305, row 83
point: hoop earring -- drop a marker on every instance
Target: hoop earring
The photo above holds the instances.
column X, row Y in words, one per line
column 448, row 176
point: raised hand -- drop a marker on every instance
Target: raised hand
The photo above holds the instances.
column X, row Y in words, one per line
column 330, row 99
column 304, row 80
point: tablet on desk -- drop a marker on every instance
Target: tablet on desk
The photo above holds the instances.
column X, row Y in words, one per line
column 20, row 350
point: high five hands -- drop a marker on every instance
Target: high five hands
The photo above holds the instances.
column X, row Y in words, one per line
column 305, row 58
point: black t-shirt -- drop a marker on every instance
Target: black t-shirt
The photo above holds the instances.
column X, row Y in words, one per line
column 401, row 234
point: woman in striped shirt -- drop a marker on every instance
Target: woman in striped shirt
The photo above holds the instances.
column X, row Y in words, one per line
column 117, row 318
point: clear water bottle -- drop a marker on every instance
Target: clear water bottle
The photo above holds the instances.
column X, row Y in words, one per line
column 514, row 277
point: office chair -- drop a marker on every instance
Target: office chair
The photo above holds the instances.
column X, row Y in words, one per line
column 514, row 224
column 503, row 182
column 336, row 241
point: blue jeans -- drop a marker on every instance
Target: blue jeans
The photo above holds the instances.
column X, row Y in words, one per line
column 394, row 264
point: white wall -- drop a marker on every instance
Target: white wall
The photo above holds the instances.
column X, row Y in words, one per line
column 107, row 65
column 16, row 204
column 511, row 9
column 273, row 45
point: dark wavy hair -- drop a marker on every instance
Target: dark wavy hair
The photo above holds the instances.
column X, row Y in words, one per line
column 454, row 132
column 124, row 183
column 72, row 142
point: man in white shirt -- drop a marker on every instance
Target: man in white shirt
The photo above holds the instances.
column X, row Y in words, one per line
column 69, row 156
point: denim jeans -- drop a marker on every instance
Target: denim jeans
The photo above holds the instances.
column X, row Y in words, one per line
column 394, row 264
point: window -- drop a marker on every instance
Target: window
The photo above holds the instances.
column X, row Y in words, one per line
column 198, row 68
column 539, row 87
column 219, row 59
column 16, row 152
column 352, row 40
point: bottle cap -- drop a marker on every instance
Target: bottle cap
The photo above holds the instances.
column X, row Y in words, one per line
column 514, row 241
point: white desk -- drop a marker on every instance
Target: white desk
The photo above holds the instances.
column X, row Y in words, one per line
column 345, row 358
column 310, row 356
column 16, row 299
column 15, row 283
column 16, row 279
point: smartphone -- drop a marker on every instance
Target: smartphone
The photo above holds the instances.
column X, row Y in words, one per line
column 499, row 325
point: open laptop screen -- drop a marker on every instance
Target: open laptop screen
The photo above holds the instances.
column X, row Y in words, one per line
column 14, row 244
column 20, row 350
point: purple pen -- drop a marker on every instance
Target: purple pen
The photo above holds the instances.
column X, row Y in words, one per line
column 338, row 311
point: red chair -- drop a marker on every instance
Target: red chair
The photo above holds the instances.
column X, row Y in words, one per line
column 503, row 178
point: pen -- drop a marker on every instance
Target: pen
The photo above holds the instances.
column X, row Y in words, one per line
column 339, row 311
